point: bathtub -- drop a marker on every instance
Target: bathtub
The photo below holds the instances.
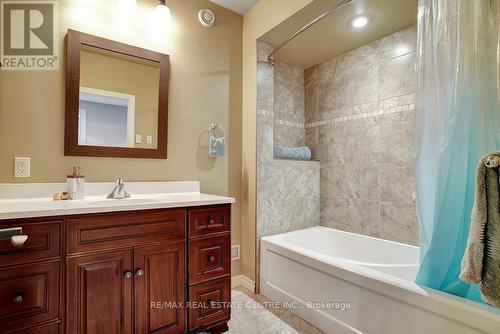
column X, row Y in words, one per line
column 348, row 283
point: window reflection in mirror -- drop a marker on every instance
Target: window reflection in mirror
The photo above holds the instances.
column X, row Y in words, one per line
column 118, row 105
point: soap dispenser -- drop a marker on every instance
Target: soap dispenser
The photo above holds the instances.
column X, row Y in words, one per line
column 76, row 184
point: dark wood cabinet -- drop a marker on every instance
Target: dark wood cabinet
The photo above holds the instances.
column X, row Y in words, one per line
column 123, row 272
column 115, row 230
column 44, row 242
column 99, row 293
column 209, row 295
column 211, row 303
column 210, row 257
column 53, row 328
column 29, row 294
column 160, row 288
column 209, row 221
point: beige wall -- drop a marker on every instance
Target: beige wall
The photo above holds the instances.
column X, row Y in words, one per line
column 205, row 85
column 262, row 17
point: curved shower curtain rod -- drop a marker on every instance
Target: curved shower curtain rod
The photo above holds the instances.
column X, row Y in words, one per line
column 332, row 10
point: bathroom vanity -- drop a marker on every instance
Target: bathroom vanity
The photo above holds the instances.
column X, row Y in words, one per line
column 156, row 263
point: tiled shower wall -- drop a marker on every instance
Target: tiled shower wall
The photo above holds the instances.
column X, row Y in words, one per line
column 359, row 108
column 289, row 105
column 287, row 191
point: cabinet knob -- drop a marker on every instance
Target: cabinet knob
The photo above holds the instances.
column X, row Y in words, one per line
column 211, row 258
column 18, row 240
column 211, row 221
column 15, row 234
column 139, row 273
column 18, row 299
column 128, row 275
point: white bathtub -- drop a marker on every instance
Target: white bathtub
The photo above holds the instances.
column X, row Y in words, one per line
column 365, row 284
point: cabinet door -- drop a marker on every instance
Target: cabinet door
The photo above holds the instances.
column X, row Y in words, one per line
column 160, row 288
column 99, row 293
column 29, row 295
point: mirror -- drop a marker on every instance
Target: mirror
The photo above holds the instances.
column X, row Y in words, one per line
column 116, row 100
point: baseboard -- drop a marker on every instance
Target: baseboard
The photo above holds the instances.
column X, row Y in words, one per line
column 242, row 280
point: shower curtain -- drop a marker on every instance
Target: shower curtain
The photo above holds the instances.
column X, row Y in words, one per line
column 457, row 121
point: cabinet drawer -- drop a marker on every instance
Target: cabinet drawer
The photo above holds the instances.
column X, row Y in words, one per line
column 209, row 303
column 206, row 221
column 108, row 231
column 209, row 258
column 29, row 295
column 44, row 241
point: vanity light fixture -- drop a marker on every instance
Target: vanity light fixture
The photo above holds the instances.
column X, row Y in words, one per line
column 359, row 21
column 162, row 13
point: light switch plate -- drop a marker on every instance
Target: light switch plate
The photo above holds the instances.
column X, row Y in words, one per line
column 149, row 139
column 22, row 167
column 138, row 139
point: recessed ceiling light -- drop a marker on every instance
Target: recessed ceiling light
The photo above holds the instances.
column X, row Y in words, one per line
column 359, row 21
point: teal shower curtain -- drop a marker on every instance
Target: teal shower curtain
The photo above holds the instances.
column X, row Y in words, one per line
column 457, row 121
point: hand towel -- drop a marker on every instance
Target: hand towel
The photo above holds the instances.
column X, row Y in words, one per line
column 217, row 147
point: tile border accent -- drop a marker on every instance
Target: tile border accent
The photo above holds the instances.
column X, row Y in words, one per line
column 263, row 112
column 290, row 124
column 379, row 112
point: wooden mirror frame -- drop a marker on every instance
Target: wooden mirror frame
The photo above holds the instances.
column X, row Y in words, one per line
column 75, row 40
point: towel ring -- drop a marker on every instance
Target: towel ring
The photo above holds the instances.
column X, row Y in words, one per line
column 212, row 126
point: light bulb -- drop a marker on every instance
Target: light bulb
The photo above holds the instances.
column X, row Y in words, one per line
column 359, row 22
column 163, row 17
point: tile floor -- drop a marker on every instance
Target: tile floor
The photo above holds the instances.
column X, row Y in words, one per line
column 249, row 316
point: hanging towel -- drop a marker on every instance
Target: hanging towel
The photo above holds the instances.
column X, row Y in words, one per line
column 217, row 146
column 481, row 261
column 294, row 153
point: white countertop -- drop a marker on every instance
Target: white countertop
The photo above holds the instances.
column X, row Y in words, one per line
column 145, row 196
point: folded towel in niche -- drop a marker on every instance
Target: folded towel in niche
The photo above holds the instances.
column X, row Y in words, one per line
column 294, row 153
column 481, row 261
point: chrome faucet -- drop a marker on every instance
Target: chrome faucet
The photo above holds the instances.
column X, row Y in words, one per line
column 119, row 191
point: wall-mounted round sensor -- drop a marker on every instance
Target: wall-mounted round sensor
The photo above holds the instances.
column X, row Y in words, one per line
column 206, row 17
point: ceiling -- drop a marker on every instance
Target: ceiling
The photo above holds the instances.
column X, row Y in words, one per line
column 335, row 35
column 238, row 6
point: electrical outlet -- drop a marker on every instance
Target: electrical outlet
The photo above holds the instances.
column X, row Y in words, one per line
column 22, row 167
column 138, row 139
column 235, row 252
column 149, row 139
